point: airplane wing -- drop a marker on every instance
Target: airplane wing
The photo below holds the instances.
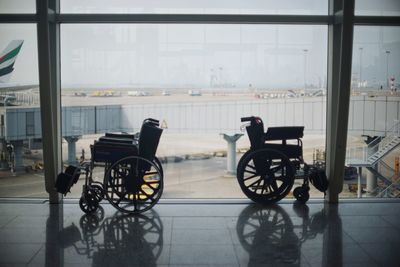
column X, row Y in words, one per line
column 9, row 88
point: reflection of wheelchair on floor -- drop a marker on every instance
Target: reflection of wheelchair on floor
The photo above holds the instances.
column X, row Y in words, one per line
column 269, row 236
column 266, row 172
column 126, row 240
column 133, row 176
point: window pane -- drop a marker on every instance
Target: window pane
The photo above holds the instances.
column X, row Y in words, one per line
column 21, row 162
column 304, row 7
column 374, row 112
column 198, row 80
column 17, row 6
column 377, row 8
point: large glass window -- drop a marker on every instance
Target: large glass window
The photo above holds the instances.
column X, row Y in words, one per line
column 377, row 8
column 17, row 6
column 374, row 114
column 21, row 157
column 198, row 80
column 303, row 7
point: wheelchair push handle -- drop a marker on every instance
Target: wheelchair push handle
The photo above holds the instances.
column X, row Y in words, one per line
column 152, row 121
column 252, row 119
column 244, row 119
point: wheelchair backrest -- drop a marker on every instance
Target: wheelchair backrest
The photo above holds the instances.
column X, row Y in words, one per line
column 256, row 133
column 149, row 138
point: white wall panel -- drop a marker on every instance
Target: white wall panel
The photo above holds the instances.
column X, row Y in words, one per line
column 380, row 116
column 391, row 111
column 369, row 116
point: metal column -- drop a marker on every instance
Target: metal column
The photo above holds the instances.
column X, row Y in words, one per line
column 49, row 82
column 340, row 44
column 231, row 153
column 71, row 140
column 18, row 164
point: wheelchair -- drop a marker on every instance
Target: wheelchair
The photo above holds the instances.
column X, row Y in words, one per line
column 266, row 172
column 133, row 175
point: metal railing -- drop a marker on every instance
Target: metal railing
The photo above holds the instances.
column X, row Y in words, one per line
column 362, row 155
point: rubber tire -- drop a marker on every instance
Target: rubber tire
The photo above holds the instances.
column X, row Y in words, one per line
column 301, row 194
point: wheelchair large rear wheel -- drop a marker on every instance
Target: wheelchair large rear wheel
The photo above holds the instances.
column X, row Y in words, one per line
column 265, row 175
column 133, row 184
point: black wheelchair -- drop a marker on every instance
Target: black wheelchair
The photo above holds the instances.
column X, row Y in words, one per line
column 133, row 175
column 267, row 171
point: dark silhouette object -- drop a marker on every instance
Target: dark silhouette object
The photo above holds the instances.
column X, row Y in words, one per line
column 67, row 179
column 120, row 240
column 133, row 176
column 267, row 171
column 271, row 238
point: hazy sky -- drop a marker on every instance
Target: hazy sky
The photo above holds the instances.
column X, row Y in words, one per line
column 267, row 56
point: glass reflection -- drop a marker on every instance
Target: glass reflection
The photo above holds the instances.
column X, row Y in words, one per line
column 273, row 238
column 119, row 240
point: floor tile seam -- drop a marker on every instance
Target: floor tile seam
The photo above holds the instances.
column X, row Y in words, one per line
column 349, row 236
column 360, row 245
column 170, row 240
column 232, row 242
column 10, row 220
column 369, row 255
column 35, row 255
column 302, row 255
column 369, row 259
column 390, row 223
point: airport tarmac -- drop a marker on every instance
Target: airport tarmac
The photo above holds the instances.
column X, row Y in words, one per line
column 123, row 99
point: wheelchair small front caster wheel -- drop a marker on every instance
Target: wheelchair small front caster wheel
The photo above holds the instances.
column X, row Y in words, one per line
column 88, row 204
column 301, row 194
column 98, row 191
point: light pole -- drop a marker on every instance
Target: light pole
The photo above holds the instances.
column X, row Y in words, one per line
column 361, row 50
column 387, row 68
column 305, row 69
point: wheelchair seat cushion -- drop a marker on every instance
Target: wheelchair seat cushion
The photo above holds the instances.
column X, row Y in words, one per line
column 110, row 152
column 118, row 140
column 284, row 133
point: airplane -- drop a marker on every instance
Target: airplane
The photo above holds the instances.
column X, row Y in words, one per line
column 7, row 61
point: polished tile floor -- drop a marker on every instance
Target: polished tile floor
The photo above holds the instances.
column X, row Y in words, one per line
column 199, row 234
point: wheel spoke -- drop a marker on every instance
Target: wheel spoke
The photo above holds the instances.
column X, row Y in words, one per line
column 263, row 189
column 258, row 185
column 274, row 185
column 258, row 181
column 149, row 189
column 251, row 172
column 251, row 166
column 121, row 198
column 252, row 176
column 149, row 185
column 151, row 173
column 277, row 168
column 135, row 206
column 147, row 195
column 152, row 182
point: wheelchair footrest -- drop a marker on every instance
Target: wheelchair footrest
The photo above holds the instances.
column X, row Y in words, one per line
column 67, row 179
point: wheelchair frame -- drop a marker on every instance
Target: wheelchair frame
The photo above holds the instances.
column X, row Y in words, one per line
column 266, row 172
column 133, row 175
